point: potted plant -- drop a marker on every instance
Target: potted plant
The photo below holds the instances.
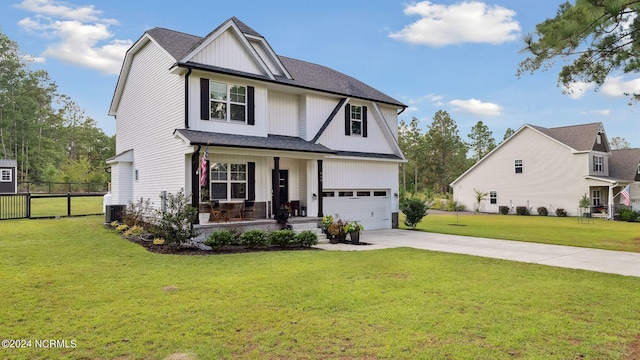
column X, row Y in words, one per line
column 327, row 220
column 354, row 229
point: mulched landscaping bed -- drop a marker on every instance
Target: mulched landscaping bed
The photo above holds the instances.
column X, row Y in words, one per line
column 182, row 250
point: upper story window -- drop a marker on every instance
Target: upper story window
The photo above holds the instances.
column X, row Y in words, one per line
column 638, row 169
column 227, row 102
column 518, row 166
column 5, row 175
column 493, row 197
column 355, row 120
column 598, row 163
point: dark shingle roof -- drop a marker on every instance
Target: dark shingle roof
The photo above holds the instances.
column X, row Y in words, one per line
column 304, row 74
column 623, row 164
column 271, row 142
column 579, row 137
column 369, row 155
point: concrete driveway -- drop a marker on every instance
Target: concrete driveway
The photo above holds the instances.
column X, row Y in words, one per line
column 606, row 261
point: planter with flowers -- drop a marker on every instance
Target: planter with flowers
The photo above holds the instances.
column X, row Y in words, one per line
column 354, row 229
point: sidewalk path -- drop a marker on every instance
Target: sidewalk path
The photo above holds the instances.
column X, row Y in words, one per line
column 606, row 261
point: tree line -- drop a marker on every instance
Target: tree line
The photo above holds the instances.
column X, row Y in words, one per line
column 46, row 132
column 438, row 156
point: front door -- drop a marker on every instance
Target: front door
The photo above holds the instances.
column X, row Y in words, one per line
column 283, row 184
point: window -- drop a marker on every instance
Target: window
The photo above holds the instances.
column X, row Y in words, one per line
column 228, row 181
column 228, row 102
column 5, row 175
column 518, row 164
column 596, row 198
column 356, row 120
column 363, row 193
column 598, row 163
column 638, row 169
column 493, row 197
column 379, row 193
column 345, row 193
column 328, row 194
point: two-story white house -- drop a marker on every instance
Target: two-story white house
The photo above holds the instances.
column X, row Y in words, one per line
column 274, row 129
column 553, row 168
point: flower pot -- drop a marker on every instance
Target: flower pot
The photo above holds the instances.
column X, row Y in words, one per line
column 355, row 237
column 203, row 218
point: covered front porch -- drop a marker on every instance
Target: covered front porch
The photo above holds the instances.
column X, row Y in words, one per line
column 267, row 175
column 605, row 198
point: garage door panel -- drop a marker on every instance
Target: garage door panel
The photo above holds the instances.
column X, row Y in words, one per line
column 373, row 212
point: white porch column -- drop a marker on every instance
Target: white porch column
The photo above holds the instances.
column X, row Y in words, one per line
column 610, row 201
column 312, row 188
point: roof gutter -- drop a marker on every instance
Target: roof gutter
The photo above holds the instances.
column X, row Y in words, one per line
column 186, row 98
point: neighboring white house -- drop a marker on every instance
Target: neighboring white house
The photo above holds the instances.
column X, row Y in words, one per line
column 552, row 168
column 275, row 129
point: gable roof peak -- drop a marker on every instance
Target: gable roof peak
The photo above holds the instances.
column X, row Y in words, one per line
column 246, row 29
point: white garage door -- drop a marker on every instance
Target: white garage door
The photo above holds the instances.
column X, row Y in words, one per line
column 371, row 208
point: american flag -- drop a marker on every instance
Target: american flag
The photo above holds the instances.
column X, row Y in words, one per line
column 626, row 195
column 203, row 169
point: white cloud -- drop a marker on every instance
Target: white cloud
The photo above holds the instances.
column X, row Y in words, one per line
column 467, row 21
column 577, row 89
column 476, row 107
column 436, row 99
column 34, row 59
column 604, row 112
column 616, row 87
column 84, row 37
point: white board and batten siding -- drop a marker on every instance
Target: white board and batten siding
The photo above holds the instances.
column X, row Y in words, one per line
column 283, row 114
column 150, row 109
column 227, row 51
column 222, row 126
column 538, row 184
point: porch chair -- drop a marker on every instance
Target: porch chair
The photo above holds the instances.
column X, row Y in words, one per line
column 217, row 213
column 249, row 207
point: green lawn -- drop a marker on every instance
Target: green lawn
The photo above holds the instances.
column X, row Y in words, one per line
column 41, row 207
column 597, row 233
column 72, row 279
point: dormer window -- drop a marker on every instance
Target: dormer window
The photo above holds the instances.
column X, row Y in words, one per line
column 638, row 169
column 598, row 163
column 599, row 139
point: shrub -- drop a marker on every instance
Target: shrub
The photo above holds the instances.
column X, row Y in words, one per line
column 136, row 213
column 175, row 224
column 327, row 220
column 414, row 210
column 122, row 227
column 522, row 210
column 254, row 238
column 453, row 205
column 542, row 211
column 282, row 238
column 306, row 238
column 135, row 230
column 438, row 204
column 504, row 210
column 158, row 241
column 629, row 215
column 220, row 238
column 561, row 213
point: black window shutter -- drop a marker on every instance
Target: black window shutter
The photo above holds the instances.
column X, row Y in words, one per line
column 347, row 120
column 364, row 121
column 251, row 181
column 251, row 105
column 204, row 99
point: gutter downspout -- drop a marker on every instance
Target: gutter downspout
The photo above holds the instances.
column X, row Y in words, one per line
column 186, row 99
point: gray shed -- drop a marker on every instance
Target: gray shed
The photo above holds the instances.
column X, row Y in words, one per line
column 8, row 178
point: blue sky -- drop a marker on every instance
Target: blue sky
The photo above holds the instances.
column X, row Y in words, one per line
column 457, row 56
